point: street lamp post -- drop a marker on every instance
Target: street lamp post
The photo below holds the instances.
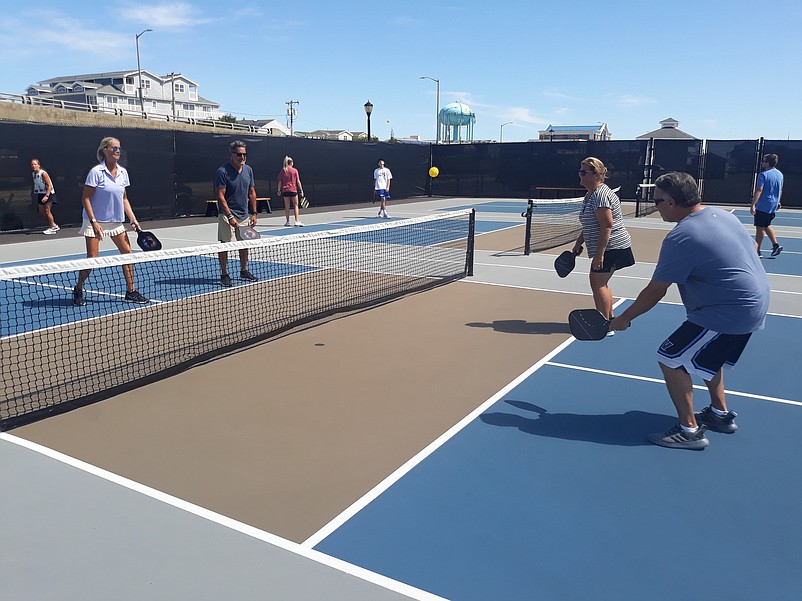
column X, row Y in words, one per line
column 139, row 70
column 437, row 111
column 368, row 111
column 501, row 132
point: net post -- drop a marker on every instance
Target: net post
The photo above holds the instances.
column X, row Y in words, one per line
column 528, row 236
column 470, row 246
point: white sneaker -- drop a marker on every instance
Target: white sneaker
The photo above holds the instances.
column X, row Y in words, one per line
column 55, row 228
column 288, row 224
column 50, row 231
column 298, row 224
column 385, row 215
column 380, row 214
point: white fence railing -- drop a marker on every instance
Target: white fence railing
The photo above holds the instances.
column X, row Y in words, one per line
column 125, row 112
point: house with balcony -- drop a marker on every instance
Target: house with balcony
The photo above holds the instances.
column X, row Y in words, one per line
column 168, row 96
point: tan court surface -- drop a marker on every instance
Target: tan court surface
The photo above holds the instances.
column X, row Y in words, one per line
column 286, row 435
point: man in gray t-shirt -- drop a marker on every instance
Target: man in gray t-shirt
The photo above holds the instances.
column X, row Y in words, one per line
column 236, row 205
column 724, row 288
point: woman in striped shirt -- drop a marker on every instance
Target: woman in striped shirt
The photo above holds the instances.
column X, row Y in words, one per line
column 608, row 241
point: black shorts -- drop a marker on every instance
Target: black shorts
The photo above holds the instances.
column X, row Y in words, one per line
column 617, row 258
column 40, row 199
column 701, row 351
column 287, row 194
column 763, row 219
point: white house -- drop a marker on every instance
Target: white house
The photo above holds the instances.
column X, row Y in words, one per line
column 267, row 127
column 171, row 95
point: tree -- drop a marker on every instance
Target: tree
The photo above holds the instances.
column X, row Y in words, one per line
column 228, row 119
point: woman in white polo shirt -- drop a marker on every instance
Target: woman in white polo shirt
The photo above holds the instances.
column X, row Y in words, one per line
column 105, row 208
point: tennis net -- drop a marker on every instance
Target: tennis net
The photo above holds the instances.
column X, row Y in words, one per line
column 57, row 356
column 551, row 223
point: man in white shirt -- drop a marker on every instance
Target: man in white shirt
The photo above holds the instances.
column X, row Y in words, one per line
column 381, row 187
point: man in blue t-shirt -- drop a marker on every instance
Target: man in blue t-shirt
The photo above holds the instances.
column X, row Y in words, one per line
column 724, row 288
column 235, row 189
column 766, row 201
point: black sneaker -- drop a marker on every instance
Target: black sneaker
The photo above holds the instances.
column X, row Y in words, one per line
column 718, row 423
column 677, row 438
column 248, row 276
column 78, row 297
column 776, row 250
column 225, row 280
column 132, row 296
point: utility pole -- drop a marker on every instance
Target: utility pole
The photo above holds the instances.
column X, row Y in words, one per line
column 139, row 70
column 291, row 112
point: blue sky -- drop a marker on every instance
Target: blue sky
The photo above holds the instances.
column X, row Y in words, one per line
column 724, row 69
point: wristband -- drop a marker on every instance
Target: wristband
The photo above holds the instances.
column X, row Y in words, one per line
column 253, row 213
column 93, row 221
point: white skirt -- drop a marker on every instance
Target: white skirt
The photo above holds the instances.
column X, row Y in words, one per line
column 110, row 229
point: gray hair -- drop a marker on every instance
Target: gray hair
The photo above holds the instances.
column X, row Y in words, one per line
column 681, row 187
column 236, row 144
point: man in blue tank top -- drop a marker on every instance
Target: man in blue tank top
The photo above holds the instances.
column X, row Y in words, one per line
column 712, row 260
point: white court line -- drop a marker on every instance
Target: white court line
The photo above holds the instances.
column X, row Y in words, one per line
column 661, row 381
column 227, row 522
column 371, row 495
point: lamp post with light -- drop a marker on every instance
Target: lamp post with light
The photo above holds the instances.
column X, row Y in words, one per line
column 368, row 111
column 139, row 70
column 437, row 111
column 501, row 131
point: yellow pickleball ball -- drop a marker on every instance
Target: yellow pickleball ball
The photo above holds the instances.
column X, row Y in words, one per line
column 434, row 172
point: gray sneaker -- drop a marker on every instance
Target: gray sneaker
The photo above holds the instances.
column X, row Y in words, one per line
column 78, row 297
column 724, row 424
column 776, row 250
column 677, row 438
column 247, row 276
column 225, row 280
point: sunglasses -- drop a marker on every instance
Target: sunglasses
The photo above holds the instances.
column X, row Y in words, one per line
column 114, row 148
column 241, row 154
column 583, row 173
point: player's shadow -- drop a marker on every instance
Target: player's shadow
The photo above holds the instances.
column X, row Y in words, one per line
column 520, row 326
column 622, row 429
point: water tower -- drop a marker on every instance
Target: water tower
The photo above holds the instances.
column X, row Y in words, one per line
column 456, row 122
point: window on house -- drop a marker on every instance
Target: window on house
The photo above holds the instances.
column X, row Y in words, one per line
column 78, row 88
column 179, row 88
column 61, row 90
column 189, row 107
column 129, row 81
column 193, row 92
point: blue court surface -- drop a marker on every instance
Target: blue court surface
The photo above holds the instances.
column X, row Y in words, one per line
column 482, row 227
column 784, row 218
column 553, row 492
column 161, row 281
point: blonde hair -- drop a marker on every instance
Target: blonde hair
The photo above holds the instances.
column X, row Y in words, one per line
column 596, row 166
column 287, row 161
column 104, row 144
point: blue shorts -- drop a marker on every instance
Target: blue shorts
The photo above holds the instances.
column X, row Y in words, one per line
column 384, row 194
column 701, row 351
